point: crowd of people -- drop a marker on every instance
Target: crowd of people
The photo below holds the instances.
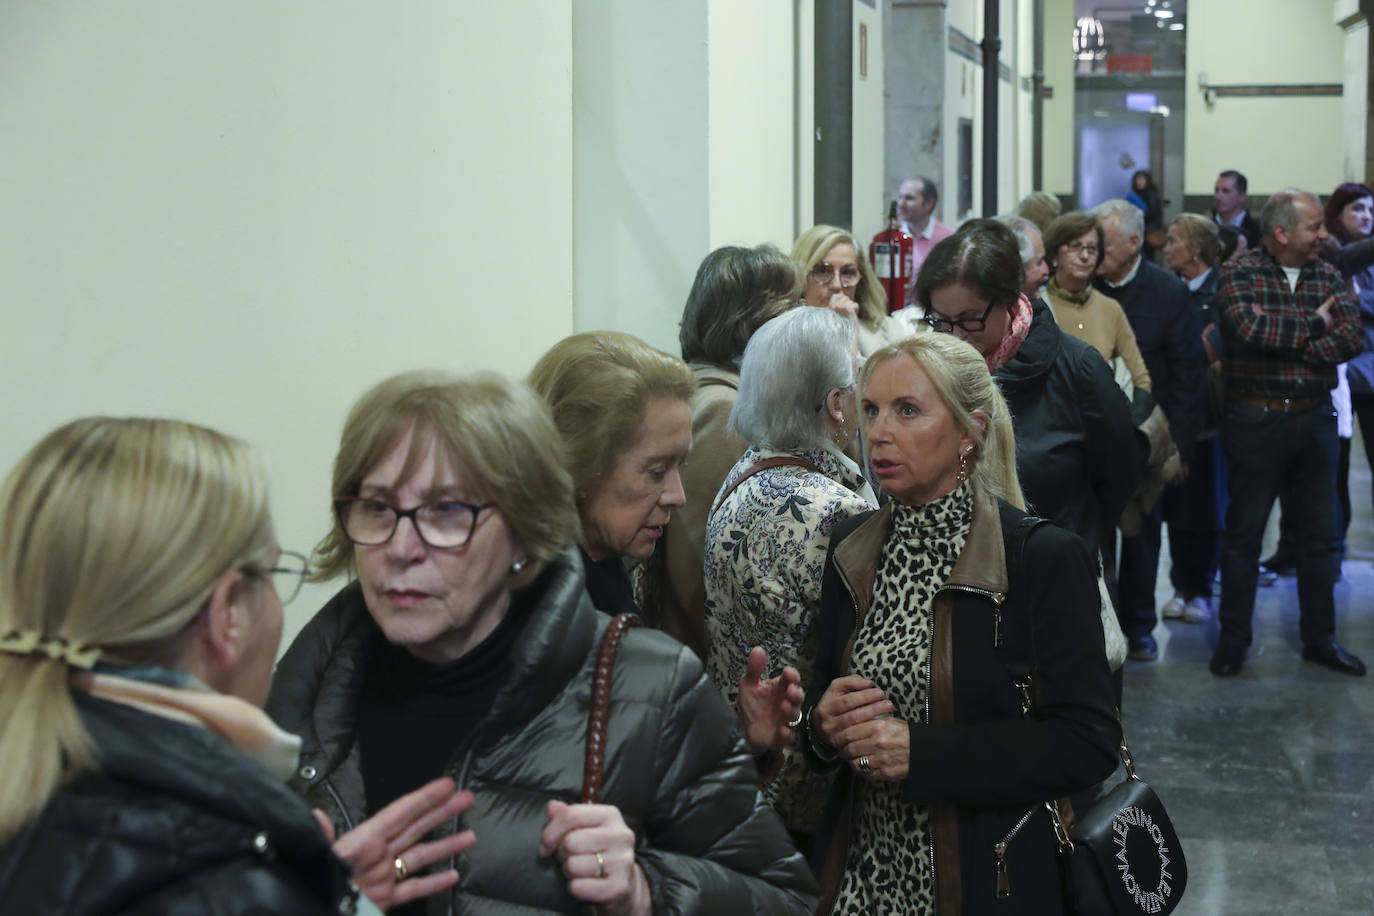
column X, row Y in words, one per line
column 816, row 617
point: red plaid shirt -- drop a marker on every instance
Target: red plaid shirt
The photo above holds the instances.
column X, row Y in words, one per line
column 1285, row 351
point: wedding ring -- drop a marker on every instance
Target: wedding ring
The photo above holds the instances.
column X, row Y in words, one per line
column 400, row 866
column 796, row 723
column 863, row 765
column 600, row 865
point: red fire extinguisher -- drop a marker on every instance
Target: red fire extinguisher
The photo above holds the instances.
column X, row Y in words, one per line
column 890, row 253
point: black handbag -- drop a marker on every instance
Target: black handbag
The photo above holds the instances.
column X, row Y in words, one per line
column 1122, row 855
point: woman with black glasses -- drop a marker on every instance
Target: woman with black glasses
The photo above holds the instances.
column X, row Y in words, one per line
column 1073, row 424
column 468, row 647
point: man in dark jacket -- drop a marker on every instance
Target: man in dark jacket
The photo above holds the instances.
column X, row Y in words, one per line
column 1230, row 194
column 1167, row 329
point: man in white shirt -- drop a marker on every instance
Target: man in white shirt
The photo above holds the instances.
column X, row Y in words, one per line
column 916, row 201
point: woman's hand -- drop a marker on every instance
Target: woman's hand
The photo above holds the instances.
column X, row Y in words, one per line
column 842, row 305
column 848, row 701
column 879, row 748
column 394, row 833
column 598, row 855
column 767, row 706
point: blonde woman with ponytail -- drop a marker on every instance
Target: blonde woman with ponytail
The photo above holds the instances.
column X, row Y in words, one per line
column 929, row 607
column 141, row 591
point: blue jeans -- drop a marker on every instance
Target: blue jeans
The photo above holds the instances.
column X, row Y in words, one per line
column 1267, row 451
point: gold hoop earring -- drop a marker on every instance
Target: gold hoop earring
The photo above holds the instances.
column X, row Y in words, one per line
column 841, row 436
column 963, row 465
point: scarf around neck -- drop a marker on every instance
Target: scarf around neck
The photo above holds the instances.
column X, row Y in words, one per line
column 1016, row 334
column 1060, row 292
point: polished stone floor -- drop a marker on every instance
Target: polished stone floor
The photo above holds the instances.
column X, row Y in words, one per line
column 1268, row 776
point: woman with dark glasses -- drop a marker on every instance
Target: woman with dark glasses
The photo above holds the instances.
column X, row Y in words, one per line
column 1073, row 424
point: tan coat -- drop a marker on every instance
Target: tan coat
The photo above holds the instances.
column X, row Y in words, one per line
column 675, row 589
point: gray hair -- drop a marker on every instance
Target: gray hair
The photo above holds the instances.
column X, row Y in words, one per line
column 789, row 366
column 1022, row 229
column 1281, row 209
column 1132, row 219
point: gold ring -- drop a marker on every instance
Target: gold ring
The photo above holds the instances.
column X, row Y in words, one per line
column 600, row 865
column 863, row 764
column 400, row 866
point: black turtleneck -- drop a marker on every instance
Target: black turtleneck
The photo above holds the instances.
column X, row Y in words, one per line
column 608, row 584
column 413, row 715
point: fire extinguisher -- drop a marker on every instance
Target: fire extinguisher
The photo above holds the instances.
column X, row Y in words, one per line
column 890, row 253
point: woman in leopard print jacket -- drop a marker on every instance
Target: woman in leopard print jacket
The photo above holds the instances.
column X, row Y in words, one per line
column 941, row 618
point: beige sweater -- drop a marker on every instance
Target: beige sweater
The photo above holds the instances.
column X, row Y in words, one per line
column 1101, row 323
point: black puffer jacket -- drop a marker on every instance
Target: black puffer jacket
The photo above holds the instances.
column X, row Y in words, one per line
column 176, row 821
column 1077, row 450
column 979, row 763
column 675, row 764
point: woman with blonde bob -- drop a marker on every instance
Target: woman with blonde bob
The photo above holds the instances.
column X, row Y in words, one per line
column 141, row 592
column 467, row 647
column 930, row 607
column 623, row 409
column 838, row 277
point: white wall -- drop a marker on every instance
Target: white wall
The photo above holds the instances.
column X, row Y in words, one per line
column 640, row 163
column 1058, row 114
column 244, row 214
column 870, row 194
column 751, row 133
column 1276, row 142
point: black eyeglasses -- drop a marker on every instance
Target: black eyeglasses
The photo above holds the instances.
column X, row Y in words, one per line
column 947, row 325
column 287, row 575
column 444, row 524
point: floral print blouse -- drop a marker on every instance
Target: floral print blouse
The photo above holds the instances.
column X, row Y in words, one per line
column 764, row 555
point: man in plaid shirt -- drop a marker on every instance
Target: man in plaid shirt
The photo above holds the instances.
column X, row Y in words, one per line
column 1286, row 320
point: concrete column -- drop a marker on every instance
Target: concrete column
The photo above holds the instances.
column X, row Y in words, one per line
column 915, row 42
column 1356, row 119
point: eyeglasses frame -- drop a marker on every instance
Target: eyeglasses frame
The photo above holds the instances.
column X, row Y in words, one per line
column 341, row 506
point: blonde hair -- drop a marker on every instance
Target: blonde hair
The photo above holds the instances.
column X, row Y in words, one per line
column 816, row 242
column 494, row 434
column 1040, row 207
column 599, row 385
column 960, row 376
column 1201, row 234
column 115, row 534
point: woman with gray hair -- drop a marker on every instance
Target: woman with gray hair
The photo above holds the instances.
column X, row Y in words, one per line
column 770, row 525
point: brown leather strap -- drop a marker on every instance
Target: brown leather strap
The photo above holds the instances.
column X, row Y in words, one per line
column 764, row 465
column 595, row 765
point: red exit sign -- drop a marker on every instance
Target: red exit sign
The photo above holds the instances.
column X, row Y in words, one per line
column 1130, row 63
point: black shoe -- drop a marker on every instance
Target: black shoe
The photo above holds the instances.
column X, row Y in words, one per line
column 1335, row 658
column 1142, row 649
column 1266, row 577
column 1280, row 563
column 1227, row 661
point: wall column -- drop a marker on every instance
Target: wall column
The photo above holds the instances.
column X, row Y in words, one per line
column 915, row 46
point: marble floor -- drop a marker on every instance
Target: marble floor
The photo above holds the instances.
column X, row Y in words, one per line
column 1268, row 776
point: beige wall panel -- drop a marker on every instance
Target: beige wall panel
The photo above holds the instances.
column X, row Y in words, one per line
column 1276, row 142
column 243, row 214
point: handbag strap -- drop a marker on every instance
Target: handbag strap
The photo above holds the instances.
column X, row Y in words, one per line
column 765, row 464
column 594, row 768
